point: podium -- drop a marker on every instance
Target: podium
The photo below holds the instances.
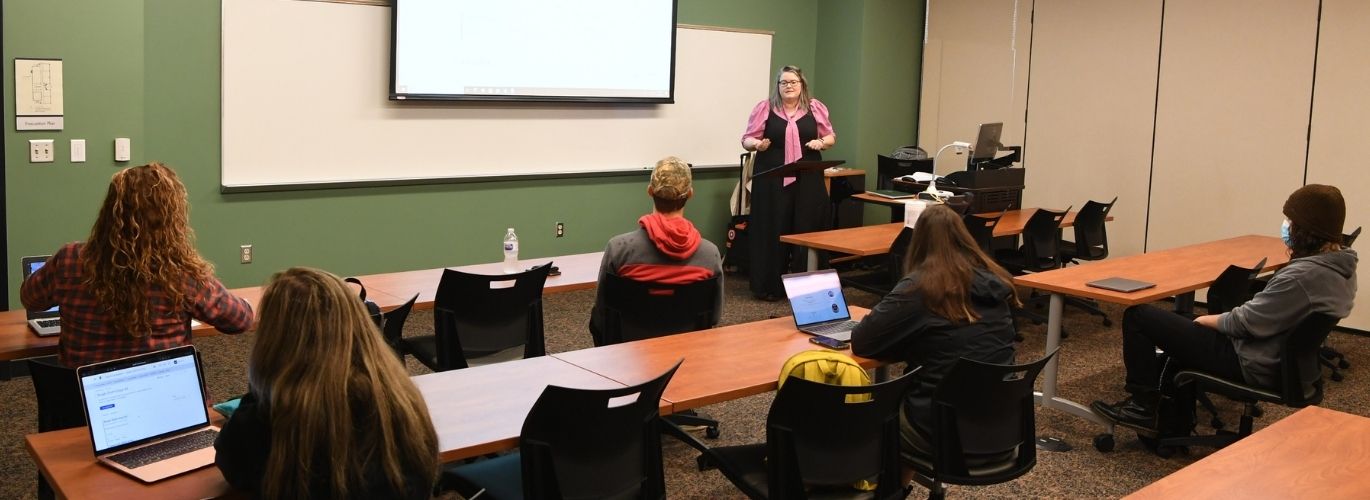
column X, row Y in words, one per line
column 990, row 190
column 801, row 208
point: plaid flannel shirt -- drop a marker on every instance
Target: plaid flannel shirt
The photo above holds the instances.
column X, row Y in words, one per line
column 87, row 337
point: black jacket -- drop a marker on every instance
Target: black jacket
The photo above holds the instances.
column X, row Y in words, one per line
column 245, row 442
column 901, row 328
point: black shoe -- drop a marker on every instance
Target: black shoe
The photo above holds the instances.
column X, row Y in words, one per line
column 1128, row 413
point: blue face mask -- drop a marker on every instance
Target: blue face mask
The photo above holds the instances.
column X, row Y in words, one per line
column 1284, row 233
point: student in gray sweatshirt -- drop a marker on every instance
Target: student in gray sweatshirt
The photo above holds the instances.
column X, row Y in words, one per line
column 1244, row 344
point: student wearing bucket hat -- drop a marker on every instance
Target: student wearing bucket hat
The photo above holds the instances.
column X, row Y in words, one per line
column 1244, row 344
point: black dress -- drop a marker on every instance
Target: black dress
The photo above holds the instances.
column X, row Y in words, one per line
column 778, row 210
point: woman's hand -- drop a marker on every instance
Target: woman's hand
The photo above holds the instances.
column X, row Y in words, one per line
column 1210, row 321
column 816, row 144
column 763, row 145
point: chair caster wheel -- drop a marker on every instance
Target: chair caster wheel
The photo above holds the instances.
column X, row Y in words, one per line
column 711, row 432
column 1216, row 424
column 705, row 463
column 1337, row 377
column 1103, row 443
column 1108, row 322
column 1343, row 364
column 1257, row 412
column 1164, row 451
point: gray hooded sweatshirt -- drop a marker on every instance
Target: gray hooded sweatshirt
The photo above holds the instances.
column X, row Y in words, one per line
column 1323, row 283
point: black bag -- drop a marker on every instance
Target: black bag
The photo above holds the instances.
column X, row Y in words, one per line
column 736, row 258
column 371, row 308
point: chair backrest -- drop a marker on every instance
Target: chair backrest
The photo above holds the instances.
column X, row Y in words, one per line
column 476, row 314
column 585, row 443
column 984, row 410
column 815, row 436
column 899, row 252
column 59, row 396
column 393, row 325
column 1301, row 375
column 888, row 168
column 1232, row 288
column 1042, row 240
column 1350, row 238
column 636, row 310
column 1091, row 234
column 981, row 228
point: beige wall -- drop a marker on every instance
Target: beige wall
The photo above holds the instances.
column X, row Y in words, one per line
column 1199, row 115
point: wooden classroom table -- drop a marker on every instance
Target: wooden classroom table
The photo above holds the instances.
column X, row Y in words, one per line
column 578, row 272
column 1175, row 271
column 721, row 364
column 876, row 240
column 1314, row 453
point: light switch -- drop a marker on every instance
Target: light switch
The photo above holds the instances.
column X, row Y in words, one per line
column 40, row 150
column 78, row 150
column 123, row 149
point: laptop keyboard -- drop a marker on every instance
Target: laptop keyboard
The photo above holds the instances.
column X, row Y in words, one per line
column 48, row 323
column 831, row 328
column 170, row 448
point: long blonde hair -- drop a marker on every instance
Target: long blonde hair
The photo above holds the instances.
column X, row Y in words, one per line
column 141, row 242
column 339, row 402
column 945, row 256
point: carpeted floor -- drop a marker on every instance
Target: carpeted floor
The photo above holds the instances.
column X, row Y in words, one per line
column 1090, row 369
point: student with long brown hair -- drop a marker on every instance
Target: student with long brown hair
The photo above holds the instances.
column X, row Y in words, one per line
column 953, row 302
column 330, row 412
column 135, row 284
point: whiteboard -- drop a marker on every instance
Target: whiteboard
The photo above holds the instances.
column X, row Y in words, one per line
column 305, row 105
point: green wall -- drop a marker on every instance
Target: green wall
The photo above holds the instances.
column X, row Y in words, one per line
column 149, row 70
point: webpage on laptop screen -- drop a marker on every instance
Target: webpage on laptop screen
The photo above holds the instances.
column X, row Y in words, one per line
column 816, row 298
column 143, row 401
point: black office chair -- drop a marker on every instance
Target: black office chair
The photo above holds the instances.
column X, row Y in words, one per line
column 486, row 317
column 1091, row 243
column 1231, row 289
column 883, row 279
column 635, row 310
column 1300, row 383
column 1329, row 357
column 1040, row 251
column 818, row 444
column 578, row 443
column 392, row 327
column 984, row 430
column 981, row 228
column 59, row 402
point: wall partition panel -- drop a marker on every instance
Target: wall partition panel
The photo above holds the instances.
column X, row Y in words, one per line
column 1232, row 117
column 1090, row 109
column 1336, row 148
column 974, row 71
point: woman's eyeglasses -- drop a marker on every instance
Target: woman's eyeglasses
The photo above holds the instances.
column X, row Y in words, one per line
column 788, row 83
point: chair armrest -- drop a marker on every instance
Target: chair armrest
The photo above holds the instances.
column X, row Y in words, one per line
column 1234, row 390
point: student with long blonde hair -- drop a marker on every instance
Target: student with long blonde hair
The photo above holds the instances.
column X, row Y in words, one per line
column 135, row 283
column 953, row 302
column 330, row 412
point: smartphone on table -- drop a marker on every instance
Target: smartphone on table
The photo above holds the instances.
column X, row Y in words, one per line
column 829, row 342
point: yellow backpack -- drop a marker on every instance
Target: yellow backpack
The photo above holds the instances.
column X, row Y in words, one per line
column 827, row 367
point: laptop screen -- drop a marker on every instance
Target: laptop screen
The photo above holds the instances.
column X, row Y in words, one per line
column 134, row 400
column 32, row 265
column 815, row 297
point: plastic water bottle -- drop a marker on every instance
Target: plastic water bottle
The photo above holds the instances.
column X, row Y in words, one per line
column 511, row 252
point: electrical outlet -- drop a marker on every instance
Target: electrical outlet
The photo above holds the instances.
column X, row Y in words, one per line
column 40, row 151
column 561, row 229
column 245, row 254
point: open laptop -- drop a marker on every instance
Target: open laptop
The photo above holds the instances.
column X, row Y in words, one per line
column 818, row 304
column 147, row 413
column 43, row 323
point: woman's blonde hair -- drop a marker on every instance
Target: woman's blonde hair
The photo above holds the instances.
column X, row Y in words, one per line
column 777, row 103
column 339, row 402
column 142, row 242
column 945, row 256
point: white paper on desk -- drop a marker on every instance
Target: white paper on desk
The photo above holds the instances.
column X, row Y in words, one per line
column 912, row 209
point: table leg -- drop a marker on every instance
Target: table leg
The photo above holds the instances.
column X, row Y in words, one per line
column 813, row 259
column 1047, row 397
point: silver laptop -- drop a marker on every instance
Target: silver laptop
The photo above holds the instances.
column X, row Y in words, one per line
column 818, row 304
column 43, row 323
column 147, row 413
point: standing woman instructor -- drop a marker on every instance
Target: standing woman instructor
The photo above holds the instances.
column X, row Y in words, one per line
column 788, row 127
